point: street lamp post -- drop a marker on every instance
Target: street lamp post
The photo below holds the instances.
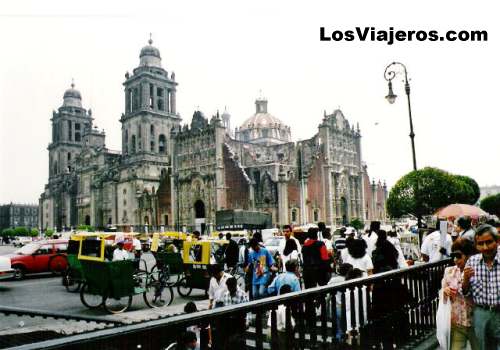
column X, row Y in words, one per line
column 389, row 74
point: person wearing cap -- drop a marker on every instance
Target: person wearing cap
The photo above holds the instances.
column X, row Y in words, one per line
column 119, row 253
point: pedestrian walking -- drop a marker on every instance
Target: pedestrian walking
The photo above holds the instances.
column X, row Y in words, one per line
column 461, row 306
column 464, row 228
column 285, row 278
column 289, row 247
column 260, row 262
column 433, row 249
column 371, row 237
column 231, row 252
column 316, row 261
column 224, row 334
column 356, row 255
column 482, row 280
column 217, row 286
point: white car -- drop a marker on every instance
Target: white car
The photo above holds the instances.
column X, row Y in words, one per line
column 272, row 244
column 21, row 241
column 5, row 268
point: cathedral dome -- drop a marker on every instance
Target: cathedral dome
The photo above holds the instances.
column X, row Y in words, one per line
column 72, row 97
column 150, row 56
column 263, row 127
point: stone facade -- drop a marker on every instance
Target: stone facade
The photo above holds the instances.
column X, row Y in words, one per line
column 14, row 215
column 179, row 176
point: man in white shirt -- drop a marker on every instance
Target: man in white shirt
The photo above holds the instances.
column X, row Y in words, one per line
column 371, row 237
column 217, row 287
column 119, row 253
column 287, row 232
column 433, row 249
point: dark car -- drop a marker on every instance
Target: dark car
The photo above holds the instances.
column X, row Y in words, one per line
column 40, row 256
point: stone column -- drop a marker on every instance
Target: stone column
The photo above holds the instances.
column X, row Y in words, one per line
column 172, row 102
column 282, row 197
column 167, row 100
column 220, row 183
column 145, row 95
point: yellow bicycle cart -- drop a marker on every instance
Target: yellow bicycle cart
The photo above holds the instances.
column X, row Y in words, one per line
column 198, row 257
column 112, row 284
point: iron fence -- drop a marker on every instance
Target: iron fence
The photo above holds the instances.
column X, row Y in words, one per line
column 395, row 308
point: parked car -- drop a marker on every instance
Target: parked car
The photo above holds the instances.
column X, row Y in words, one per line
column 21, row 241
column 272, row 244
column 40, row 256
column 5, row 268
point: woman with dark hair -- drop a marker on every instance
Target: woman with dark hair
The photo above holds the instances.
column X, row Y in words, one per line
column 291, row 251
column 385, row 256
column 357, row 256
column 461, row 306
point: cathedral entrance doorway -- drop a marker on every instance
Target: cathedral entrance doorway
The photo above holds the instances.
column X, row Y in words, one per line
column 87, row 220
column 344, row 211
column 199, row 216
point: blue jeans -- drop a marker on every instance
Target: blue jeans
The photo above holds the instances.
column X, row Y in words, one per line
column 259, row 291
column 487, row 328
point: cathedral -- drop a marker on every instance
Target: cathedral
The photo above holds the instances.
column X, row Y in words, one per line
column 171, row 175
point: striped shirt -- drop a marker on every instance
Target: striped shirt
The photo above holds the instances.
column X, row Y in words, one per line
column 485, row 284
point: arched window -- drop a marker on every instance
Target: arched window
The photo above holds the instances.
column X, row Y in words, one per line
column 69, row 156
column 132, row 146
column 152, row 146
column 162, row 144
column 126, row 142
column 160, row 104
column 55, row 167
column 294, row 215
column 152, row 130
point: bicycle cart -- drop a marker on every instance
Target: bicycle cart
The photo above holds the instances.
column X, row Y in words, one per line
column 198, row 258
column 112, row 284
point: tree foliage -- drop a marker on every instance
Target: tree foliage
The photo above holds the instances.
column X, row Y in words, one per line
column 49, row 232
column 491, row 204
column 34, row 232
column 357, row 224
column 426, row 190
column 21, row 231
column 8, row 232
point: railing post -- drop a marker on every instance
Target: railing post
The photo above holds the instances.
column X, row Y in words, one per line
column 275, row 345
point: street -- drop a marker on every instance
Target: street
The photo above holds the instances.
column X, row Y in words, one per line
column 45, row 292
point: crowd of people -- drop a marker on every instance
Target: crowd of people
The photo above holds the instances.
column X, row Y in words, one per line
column 472, row 284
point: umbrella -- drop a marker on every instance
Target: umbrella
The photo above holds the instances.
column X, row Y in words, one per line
column 458, row 210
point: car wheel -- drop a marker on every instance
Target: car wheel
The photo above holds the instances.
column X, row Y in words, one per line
column 19, row 272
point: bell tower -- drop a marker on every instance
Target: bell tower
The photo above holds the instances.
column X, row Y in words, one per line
column 69, row 124
column 150, row 108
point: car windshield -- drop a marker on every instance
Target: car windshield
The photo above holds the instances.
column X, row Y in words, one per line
column 272, row 242
column 28, row 249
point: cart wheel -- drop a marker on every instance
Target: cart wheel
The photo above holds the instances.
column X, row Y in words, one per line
column 166, row 274
column 58, row 264
column 157, row 295
column 70, row 283
column 117, row 305
column 183, row 289
column 92, row 301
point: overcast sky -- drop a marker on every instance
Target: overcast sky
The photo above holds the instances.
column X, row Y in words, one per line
column 224, row 52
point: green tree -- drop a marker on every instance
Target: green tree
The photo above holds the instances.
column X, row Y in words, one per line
column 470, row 190
column 430, row 189
column 8, row 232
column 357, row 224
column 21, row 231
column 34, row 232
column 491, row 204
column 49, row 232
